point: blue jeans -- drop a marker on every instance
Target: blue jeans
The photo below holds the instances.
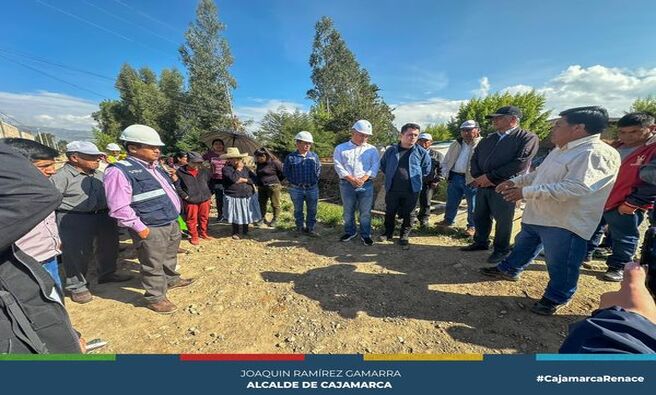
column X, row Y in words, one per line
column 564, row 252
column 455, row 190
column 360, row 198
column 310, row 197
column 625, row 235
column 52, row 268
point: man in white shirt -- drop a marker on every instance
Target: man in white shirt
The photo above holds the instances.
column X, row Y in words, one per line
column 357, row 162
column 564, row 197
column 456, row 169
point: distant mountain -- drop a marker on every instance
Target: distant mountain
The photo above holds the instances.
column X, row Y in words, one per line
column 62, row 134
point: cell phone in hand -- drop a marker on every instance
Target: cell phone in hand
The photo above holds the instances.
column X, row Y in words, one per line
column 95, row 344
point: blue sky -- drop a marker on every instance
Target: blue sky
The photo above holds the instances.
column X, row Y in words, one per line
column 426, row 56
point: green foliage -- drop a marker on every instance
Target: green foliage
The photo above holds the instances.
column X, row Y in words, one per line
column 440, row 132
column 207, row 57
column 277, row 131
column 646, row 104
column 101, row 139
column 343, row 92
column 531, row 103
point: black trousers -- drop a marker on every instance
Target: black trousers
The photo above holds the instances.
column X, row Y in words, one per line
column 425, row 197
column 401, row 203
column 490, row 205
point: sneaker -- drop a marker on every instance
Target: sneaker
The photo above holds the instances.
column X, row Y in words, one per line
column 81, row 297
column 495, row 272
column 614, row 275
column 235, row 237
column 497, row 257
column 474, row 247
column 347, row 237
column 164, row 306
column 194, row 241
column 206, row 237
column 384, row 238
column 367, row 241
column 546, row 307
column 470, row 231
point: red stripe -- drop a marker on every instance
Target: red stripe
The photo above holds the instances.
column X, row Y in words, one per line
column 242, row 357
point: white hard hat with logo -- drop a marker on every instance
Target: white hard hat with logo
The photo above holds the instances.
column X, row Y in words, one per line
column 141, row 134
column 304, row 136
column 363, row 126
column 113, row 147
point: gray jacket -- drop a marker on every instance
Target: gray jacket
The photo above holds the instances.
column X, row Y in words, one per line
column 452, row 156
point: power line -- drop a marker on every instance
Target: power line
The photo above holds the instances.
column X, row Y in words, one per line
column 129, row 22
column 53, row 63
column 53, row 77
column 146, row 15
column 81, row 19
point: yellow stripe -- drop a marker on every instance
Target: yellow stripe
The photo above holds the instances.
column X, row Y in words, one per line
column 423, row 357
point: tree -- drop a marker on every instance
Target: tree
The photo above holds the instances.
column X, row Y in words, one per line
column 531, row 103
column 277, row 131
column 206, row 55
column 343, row 92
column 440, row 132
column 647, row 104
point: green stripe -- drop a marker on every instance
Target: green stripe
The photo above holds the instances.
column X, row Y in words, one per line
column 58, row 357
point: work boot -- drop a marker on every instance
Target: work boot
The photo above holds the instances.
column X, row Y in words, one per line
column 183, row 282
column 164, row 306
column 81, row 297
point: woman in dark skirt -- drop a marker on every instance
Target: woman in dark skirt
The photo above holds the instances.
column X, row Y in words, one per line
column 240, row 202
column 269, row 178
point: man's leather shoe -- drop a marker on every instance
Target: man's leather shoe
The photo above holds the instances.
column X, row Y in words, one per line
column 81, row 297
column 497, row 257
column 164, row 306
column 114, row 278
column 183, row 282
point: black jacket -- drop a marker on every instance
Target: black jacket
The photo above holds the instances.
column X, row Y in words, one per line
column 32, row 314
column 505, row 159
column 230, row 177
column 193, row 189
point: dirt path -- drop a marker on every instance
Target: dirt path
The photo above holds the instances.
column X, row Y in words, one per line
column 279, row 293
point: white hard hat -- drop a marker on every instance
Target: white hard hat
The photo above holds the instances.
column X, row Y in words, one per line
column 141, row 134
column 362, row 126
column 112, row 147
column 83, row 147
column 304, row 136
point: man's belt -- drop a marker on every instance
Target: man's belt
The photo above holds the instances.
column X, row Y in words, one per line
column 303, row 186
column 457, row 174
column 101, row 211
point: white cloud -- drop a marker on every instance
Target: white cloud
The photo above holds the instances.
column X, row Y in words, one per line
column 613, row 88
column 483, row 87
column 49, row 109
column 256, row 113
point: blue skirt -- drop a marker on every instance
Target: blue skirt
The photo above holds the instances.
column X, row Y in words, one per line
column 241, row 210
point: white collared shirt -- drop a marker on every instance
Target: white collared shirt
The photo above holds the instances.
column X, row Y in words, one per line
column 356, row 160
column 569, row 189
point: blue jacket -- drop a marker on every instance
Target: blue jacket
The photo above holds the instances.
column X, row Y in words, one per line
column 420, row 166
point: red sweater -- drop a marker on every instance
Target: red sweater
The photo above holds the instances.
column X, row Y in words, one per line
column 627, row 188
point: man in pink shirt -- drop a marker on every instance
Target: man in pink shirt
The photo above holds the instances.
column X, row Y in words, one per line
column 141, row 197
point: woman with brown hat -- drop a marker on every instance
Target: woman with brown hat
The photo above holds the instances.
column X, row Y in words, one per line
column 240, row 203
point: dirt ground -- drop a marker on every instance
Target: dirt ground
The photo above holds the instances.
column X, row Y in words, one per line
column 276, row 293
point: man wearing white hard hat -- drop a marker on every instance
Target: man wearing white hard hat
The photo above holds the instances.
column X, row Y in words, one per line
column 457, row 171
column 356, row 162
column 430, row 181
column 87, row 232
column 113, row 153
column 142, row 197
column 302, row 169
